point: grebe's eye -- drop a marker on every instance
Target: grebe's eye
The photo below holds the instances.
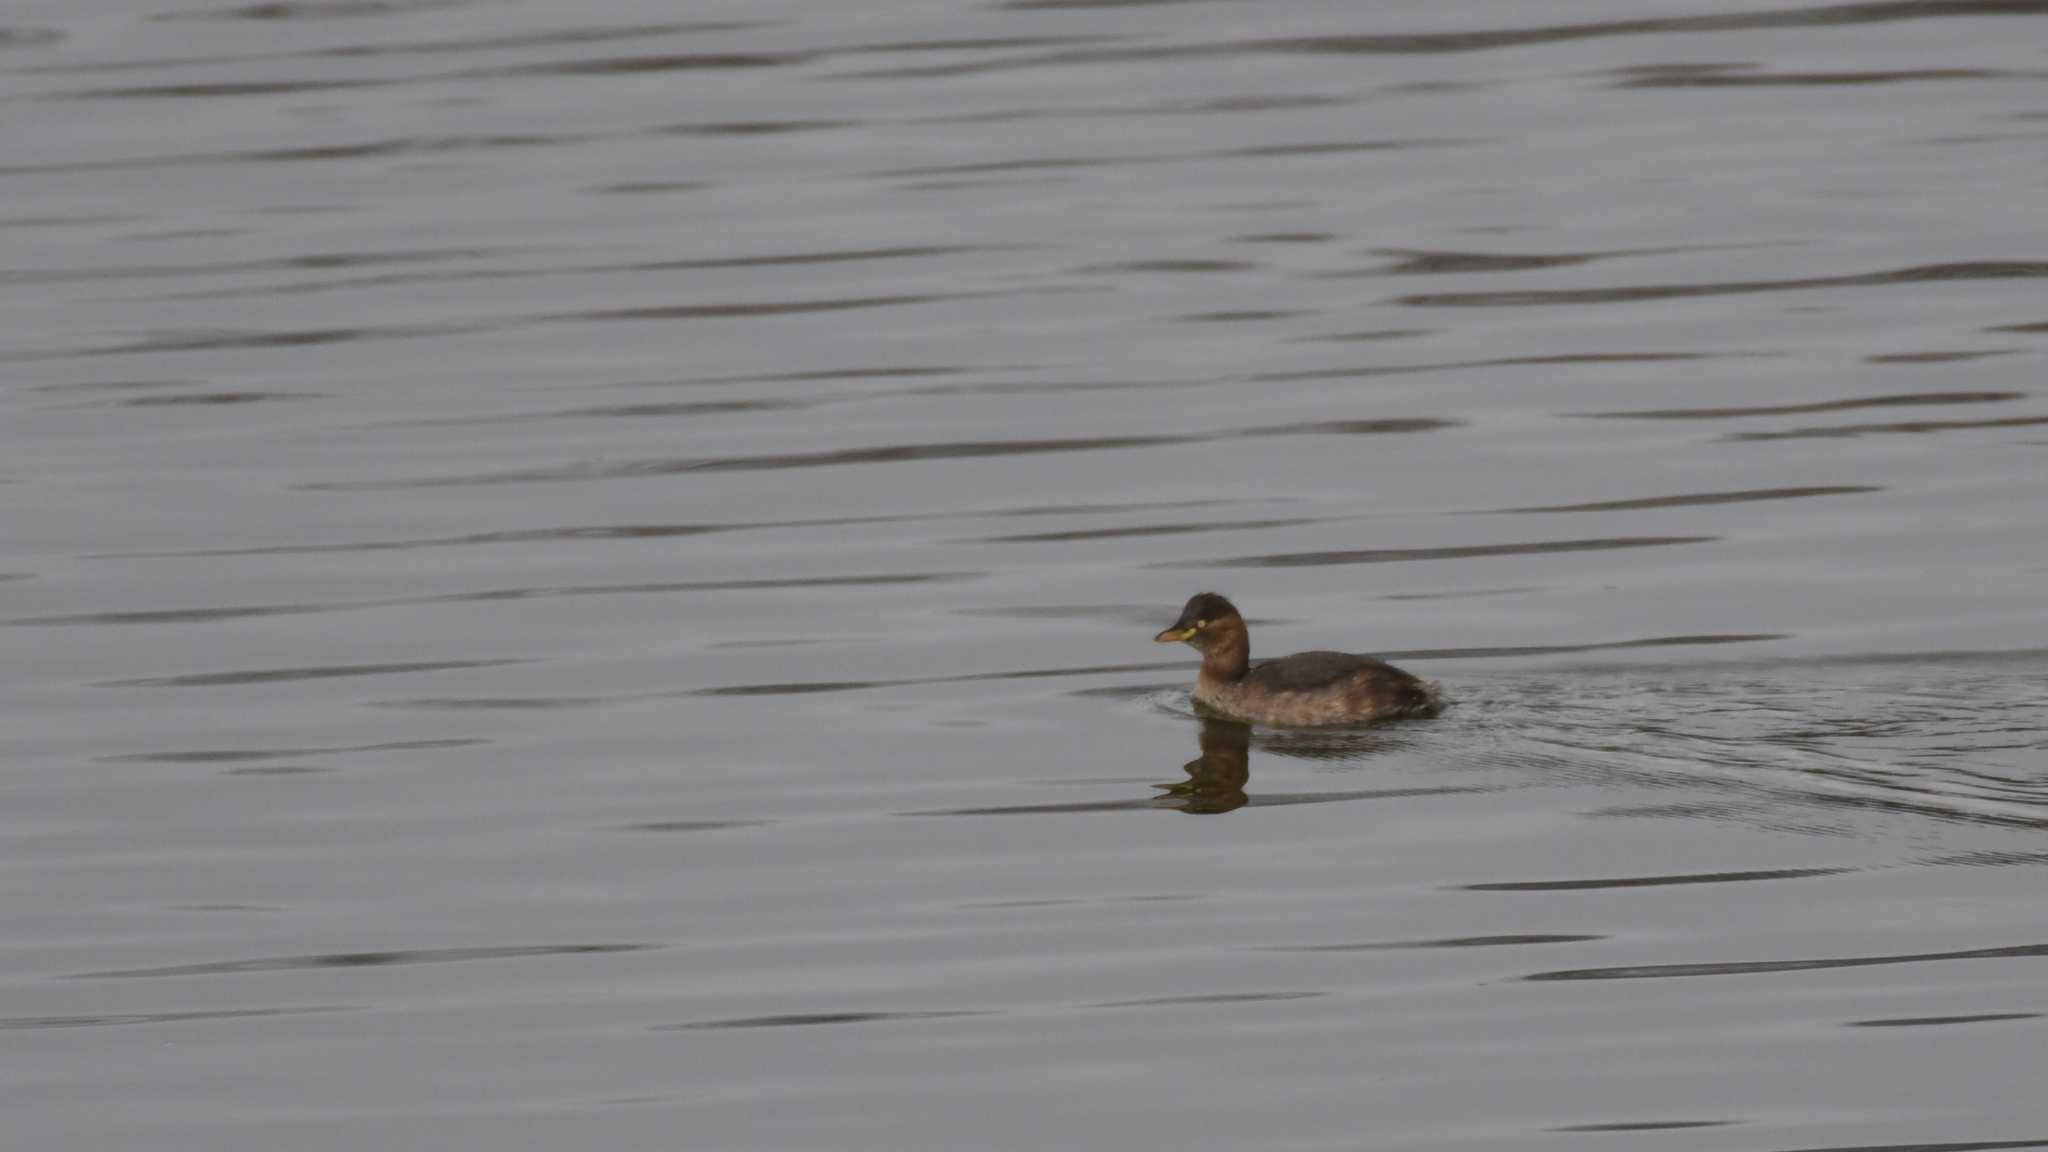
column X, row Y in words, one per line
column 1201, row 624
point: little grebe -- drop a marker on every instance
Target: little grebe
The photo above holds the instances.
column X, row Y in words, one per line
column 1307, row 689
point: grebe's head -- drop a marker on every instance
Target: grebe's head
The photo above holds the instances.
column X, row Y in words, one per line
column 1207, row 620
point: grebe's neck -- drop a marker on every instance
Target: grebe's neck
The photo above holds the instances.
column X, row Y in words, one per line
column 1229, row 657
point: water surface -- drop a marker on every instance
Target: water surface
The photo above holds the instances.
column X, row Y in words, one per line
column 582, row 575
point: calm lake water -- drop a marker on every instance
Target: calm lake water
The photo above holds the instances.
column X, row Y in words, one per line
column 582, row 575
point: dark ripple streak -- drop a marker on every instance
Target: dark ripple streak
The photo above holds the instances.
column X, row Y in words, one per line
column 1922, row 274
column 1500, row 362
column 277, row 675
column 1697, row 499
column 211, row 615
column 1900, row 400
column 122, row 1019
column 238, row 755
column 1652, row 881
column 887, row 454
column 809, row 1019
column 1514, row 941
column 364, row 960
column 1905, row 427
column 1400, row 555
column 1434, row 43
column 1938, row 1021
column 1748, row 967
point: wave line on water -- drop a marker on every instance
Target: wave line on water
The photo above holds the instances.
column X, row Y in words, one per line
column 1697, row 499
column 317, row 672
column 1509, row 941
column 1752, row 967
column 1652, row 881
column 888, row 454
column 1918, row 274
column 1428, row 43
column 365, row 960
column 1904, row 399
column 1457, row 552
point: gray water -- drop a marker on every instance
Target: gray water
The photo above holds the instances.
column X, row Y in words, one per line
column 581, row 575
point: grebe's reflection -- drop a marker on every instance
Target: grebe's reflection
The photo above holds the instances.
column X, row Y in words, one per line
column 1217, row 777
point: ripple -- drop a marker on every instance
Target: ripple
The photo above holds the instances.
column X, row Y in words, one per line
column 546, row 38
column 811, row 1019
column 1513, row 941
column 448, row 276
column 315, row 10
column 762, row 584
column 1402, row 555
column 644, row 65
column 1695, row 499
column 1501, row 362
column 1140, row 266
column 279, row 675
column 1727, row 76
column 1239, row 317
column 246, row 339
column 1904, row 427
column 313, row 153
column 650, row 187
column 1653, row 881
column 692, row 825
column 569, row 533
column 1210, row 998
column 1144, row 530
column 213, row 91
column 1135, row 614
column 125, row 1019
column 798, row 259
column 364, row 960
column 20, row 37
column 1495, row 39
column 1948, row 357
column 1284, row 238
column 654, row 411
column 740, row 311
column 1897, row 400
column 1937, row 1021
column 214, row 399
column 885, row 454
column 802, row 688
column 876, row 372
column 1918, row 1146
column 1036, row 5
column 1068, row 163
column 1645, row 1126
column 211, row 615
column 550, row 38
column 1487, row 652
column 1425, row 262
column 241, row 755
column 1920, row 274
column 1370, row 336
column 753, row 127
column 496, row 703
column 1751, row 967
